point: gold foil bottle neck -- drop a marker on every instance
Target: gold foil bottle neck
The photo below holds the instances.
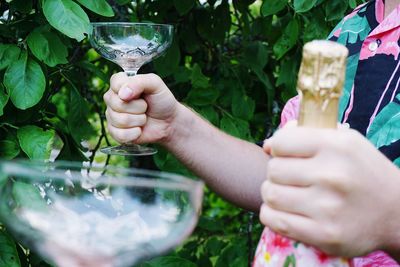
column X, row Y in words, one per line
column 320, row 82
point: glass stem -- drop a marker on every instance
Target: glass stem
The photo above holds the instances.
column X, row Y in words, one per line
column 131, row 72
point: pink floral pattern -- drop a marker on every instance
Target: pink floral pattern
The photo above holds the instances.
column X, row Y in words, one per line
column 275, row 250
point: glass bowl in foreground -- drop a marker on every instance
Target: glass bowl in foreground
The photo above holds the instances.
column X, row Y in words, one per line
column 76, row 215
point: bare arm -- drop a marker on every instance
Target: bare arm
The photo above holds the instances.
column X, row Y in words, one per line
column 142, row 109
column 233, row 168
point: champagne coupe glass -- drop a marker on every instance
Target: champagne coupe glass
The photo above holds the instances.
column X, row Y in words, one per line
column 76, row 215
column 130, row 45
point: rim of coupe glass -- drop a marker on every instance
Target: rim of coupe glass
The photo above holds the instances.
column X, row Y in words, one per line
column 130, row 24
column 34, row 169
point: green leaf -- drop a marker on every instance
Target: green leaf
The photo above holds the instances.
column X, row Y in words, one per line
column 8, row 251
column 23, row 6
column 229, row 126
column 385, row 129
column 8, row 54
column 256, row 55
column 209, row 113
column 165, row 161
column 352, row 4
column 199, row 80
column 301, row 6
column 78, row 123
column 70, row 151
column 184, row 6
column 9, row 146
column 316, row 29
column 100, row 7
column 3, row 99
column 215, row 245
column 243, row 106
column 28, row 196
column 270, row 90
column 9, row 149
column 168, row 64
column 95, row 70
column 47, row 47
column 288, row 39
column 288, row 77
column 169, row 261
column 67, row 17
column 235, row 127
column 25, row 82
column 203, row 96
column 183, row 75
column 271, row 7
column 123, row 2
column 233, row 255
column 36, row 142
column 335, row 10
column 210, row 224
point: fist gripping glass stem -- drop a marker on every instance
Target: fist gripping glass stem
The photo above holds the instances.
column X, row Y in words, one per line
column 130, row 45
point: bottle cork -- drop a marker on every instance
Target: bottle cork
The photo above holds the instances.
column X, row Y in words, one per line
column 320, row 83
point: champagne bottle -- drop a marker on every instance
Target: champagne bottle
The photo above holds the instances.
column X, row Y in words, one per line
column 320, row 82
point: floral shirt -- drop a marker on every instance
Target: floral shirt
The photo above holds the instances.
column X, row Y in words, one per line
column 370, row 104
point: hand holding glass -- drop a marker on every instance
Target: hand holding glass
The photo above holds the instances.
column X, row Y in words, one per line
column 130, row 45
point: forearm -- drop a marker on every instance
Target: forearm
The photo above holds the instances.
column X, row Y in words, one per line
column 231, row 167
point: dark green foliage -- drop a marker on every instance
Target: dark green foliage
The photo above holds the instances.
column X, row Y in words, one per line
column 235, row 64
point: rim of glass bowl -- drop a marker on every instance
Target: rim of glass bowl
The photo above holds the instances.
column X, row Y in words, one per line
column 119, row 24
column 57, row 170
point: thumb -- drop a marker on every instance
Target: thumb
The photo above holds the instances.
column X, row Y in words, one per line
column 126, row 93
column 135, row 86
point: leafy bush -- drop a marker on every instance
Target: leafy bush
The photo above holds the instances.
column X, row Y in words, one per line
column 234, row 63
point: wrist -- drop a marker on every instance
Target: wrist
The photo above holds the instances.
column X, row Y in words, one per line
column 178, row 127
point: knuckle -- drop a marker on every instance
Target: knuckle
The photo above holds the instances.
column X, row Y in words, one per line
column 155, row 77
column 142, row 119
column 135, row 133
column 117, row 80
column 116, row 77
column 331, row 208
column 337, row 182
column 158, row 82
column 272, row 196
column 263, row 214
column 143, row 105
column 264, row 190
column 106, row 96
column 273, row 168
column 332, row 238
column 118, row 104
column 123, row 136
column 125, row 119
column 281, row 226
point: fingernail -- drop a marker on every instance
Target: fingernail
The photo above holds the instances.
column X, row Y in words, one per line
column 125, row 93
